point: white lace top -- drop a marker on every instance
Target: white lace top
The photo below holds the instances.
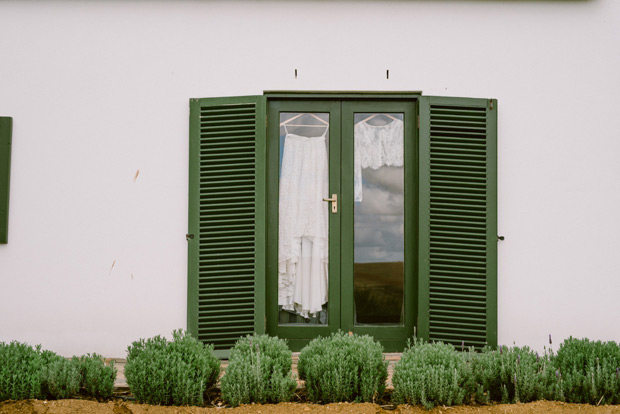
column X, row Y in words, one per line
column 376, row 146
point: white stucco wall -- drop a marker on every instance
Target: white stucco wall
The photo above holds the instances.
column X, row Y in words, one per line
column 100, row 89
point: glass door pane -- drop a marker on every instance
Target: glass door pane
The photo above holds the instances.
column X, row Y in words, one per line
column 379, row 218
column 303, row 233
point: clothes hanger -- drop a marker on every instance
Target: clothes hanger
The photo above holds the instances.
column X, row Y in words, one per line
column 325, row 123
column 374, row 115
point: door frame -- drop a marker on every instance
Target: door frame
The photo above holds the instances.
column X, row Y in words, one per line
column 393, row 337
column 299, row 335
column 340, row 312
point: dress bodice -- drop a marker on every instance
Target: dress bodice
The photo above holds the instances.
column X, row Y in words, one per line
column 376, row 146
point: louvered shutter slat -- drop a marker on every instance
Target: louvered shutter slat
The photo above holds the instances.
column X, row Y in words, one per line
column 458, row 221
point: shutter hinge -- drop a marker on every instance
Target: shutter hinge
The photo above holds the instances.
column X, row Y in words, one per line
column 189, row 236
column 491, row 104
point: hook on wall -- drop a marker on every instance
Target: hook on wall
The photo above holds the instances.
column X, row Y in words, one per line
column 295, row 73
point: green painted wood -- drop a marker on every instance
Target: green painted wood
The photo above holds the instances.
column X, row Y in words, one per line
column 6, row 131
column 226, row 229
column 393, row 337
column 450, row 174
column 492, row 234
column 344, row 95
column 222, row 353
column 458, row 221
column 299, row 335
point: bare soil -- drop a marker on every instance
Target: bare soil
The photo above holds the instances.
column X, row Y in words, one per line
column 122, row 407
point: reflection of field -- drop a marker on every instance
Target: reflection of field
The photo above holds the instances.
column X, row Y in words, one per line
column 378, row 292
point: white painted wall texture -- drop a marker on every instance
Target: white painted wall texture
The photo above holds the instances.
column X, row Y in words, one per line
column 99, row 90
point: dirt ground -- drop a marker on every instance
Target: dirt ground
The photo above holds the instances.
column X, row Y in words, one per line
column 122, row 407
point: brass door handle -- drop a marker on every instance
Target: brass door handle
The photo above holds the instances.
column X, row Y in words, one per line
column 334, row 201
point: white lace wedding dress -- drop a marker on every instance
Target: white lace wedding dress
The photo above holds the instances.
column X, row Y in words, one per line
column 303, row 226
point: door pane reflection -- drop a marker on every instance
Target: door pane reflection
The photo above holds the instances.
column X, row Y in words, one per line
column 378, row 218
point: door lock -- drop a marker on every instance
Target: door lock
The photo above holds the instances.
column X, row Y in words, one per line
column 334, row 201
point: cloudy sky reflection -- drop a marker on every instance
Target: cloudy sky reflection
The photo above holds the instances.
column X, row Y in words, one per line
column 379, row 218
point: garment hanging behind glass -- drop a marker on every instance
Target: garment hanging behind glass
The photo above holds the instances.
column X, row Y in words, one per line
column 303, row 226
column 375, row 115
column 301, row 125
column 376, row 146
column 324, row 124
column 303, row 222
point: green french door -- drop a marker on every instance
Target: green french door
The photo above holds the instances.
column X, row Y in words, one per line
column 341, row 209
column 379, row 231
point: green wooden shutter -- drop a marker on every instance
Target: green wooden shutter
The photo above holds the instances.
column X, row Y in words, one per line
column 458, row 221
column 6, row 128
column 226, row 264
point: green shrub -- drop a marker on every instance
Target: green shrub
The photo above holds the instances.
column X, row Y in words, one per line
column 343, row 368
column 96, row 378
column 512, row 375
column 430, row 374
column 171, row 373
column 20, row 371
column 588, row 372
column 259, row 370
column 60, row 377
column 27, row 372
